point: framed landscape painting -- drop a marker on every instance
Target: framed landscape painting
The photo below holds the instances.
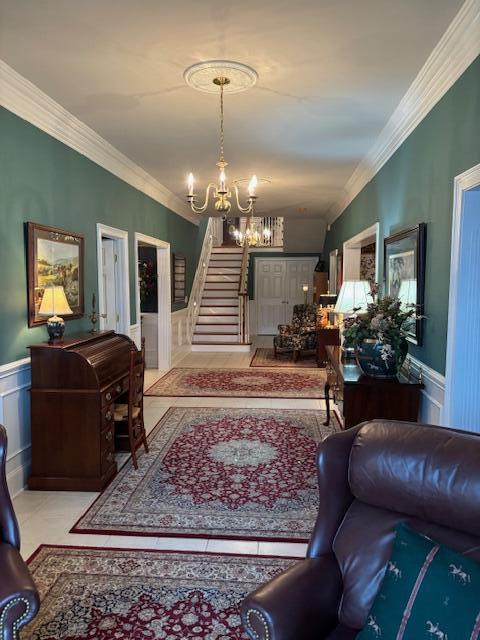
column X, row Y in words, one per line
column 404, row 268
column 55, row 258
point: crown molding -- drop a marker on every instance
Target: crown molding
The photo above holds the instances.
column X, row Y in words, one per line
column 455, row 51
column 24, row 99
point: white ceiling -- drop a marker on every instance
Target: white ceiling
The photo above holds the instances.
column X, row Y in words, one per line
column 330, row 74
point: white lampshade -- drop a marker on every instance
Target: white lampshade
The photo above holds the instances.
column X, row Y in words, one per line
column 354, row 294
column 408, row 292
column 54, row 302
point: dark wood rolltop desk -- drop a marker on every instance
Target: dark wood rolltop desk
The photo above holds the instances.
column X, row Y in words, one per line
column 358, row 397
column 74, row 388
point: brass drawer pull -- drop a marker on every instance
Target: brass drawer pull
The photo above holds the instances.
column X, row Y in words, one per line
column 108, row 415
column 108, row 396
column 118, row 388
column 109, row 435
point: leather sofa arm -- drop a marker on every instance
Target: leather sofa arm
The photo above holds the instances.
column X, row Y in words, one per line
column 19, row 599
column 299, row 604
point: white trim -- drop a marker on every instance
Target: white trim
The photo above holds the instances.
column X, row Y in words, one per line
column 462, row 183
column 104, row 231
column 7, row 369
column 352, row 251
column 23, row 98
column 455, row 51
column 164, row 326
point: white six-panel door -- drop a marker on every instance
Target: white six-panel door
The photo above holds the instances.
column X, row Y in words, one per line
column 278, row 287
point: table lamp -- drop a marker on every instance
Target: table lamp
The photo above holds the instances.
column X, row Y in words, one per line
column 55, row 301
column 354, row 297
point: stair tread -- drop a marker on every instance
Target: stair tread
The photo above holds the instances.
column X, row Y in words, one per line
column 215, row 333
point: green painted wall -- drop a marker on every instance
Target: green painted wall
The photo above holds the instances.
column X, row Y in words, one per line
column 416, row 185
column 42, row 180
column 269, row 254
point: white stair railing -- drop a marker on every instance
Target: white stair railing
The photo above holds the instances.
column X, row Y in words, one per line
column 196, row 293
column 270, row 230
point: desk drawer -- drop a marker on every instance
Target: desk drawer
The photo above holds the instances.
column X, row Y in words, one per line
column 114, row 391
column 107, row 438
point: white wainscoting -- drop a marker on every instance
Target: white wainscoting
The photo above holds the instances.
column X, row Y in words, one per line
column 180, row 335
column 15, row 416
column 431, row 404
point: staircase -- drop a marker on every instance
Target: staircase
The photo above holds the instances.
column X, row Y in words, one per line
column 217, row 326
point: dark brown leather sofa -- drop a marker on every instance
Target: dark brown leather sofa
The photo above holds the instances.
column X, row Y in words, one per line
column 19, row 599
column 371, row 477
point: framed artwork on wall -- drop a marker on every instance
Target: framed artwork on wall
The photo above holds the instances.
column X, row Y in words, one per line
column 404, row 271
column 179, row 272
column 55, row 258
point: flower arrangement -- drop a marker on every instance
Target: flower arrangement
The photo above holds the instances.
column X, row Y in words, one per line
column 386, row 322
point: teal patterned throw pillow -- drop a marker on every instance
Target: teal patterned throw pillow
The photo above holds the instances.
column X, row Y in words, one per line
column 429, row 592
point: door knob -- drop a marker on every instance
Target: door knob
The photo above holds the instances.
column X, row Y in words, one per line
column 103, row 315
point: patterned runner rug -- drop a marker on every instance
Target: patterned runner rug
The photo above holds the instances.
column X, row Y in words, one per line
column 264, row 358
column 240, row 383
column 113, row 594
column 219, row 473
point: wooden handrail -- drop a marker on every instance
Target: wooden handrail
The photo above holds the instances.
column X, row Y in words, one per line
column 243, row 320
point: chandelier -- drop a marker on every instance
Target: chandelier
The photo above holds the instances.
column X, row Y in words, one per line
column 201, row 76
column 251, row 236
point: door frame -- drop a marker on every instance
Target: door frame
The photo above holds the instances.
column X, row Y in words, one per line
column 121, row 239
column 164, row 316
column 352, row 251
column 463, row 183
column 314, row 260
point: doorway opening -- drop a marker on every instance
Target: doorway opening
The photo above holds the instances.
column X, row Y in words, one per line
column 361, row 255
column 153, row 299
column 113, row 279
column 461, row 406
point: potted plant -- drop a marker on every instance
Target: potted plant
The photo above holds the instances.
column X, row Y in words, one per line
column 378, row 336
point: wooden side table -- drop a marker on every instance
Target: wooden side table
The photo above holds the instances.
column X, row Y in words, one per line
column 358, row 397
column 326, row 337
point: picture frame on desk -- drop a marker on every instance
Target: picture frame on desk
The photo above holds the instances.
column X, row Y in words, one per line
column 404, row 273
column 54, row 257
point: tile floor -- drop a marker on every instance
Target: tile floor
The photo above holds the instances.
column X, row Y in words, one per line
column 47, row 516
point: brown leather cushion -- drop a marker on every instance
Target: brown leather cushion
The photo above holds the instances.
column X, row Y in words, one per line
column 424, row 472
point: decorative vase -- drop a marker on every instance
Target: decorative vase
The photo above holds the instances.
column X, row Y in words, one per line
column 369, row 359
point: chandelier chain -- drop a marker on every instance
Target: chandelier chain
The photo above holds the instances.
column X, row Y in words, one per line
column 222, row 159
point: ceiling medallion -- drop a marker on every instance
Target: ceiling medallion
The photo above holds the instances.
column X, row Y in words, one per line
column 201, row 76
column 220, row 77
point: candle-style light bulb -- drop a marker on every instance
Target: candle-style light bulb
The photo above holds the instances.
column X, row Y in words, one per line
column 223, row 180
column 190, row 182
column 252, row 185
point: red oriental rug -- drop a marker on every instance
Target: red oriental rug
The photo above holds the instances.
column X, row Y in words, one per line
column 241, row 383
column 264, row 358
column 126, row 594
column 218, row 473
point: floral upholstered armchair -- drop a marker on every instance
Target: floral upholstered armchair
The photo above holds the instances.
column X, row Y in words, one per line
column 301, row 334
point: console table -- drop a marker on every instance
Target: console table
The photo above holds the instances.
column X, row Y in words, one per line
column 359, row 397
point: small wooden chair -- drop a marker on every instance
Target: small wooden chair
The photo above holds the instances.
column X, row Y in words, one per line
column 129, row 425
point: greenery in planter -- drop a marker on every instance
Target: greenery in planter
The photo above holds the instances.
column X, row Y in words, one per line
column 385, row 322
